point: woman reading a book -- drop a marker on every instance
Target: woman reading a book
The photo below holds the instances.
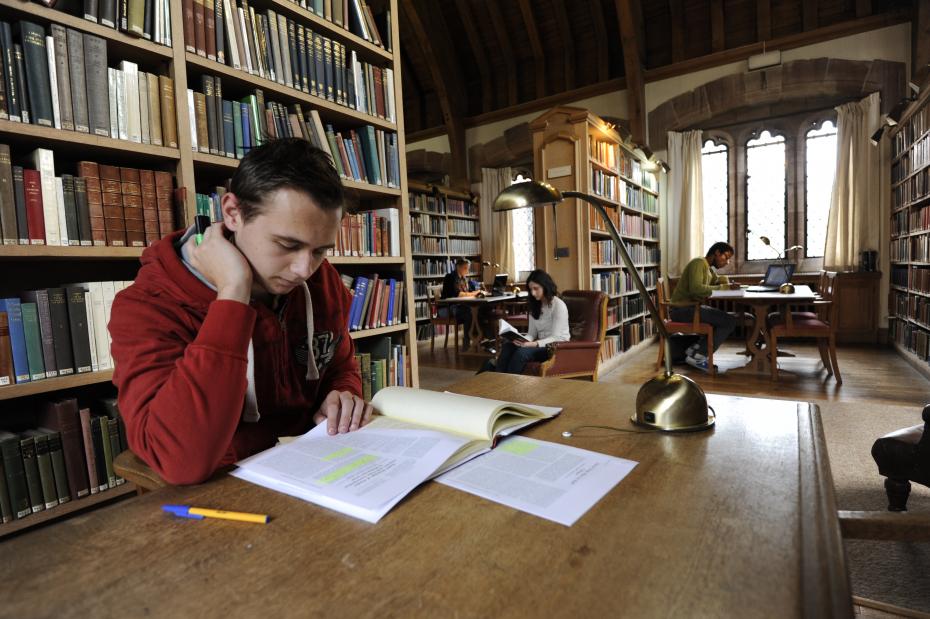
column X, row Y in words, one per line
column 548, row 323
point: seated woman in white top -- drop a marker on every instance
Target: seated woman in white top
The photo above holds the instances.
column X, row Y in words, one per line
column 548, row 323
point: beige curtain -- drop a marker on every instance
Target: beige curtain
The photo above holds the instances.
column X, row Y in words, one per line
column 856, row 218
column 685, row 207
column 496, row 228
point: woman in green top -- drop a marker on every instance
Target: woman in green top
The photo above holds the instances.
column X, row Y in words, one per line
column 697, row 282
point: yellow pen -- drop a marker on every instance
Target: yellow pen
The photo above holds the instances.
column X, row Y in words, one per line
column 199, row 513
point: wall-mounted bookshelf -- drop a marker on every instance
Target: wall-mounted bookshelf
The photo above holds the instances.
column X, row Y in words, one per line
column 444, row 225
column 576, row 150
column 909, row 297
column 364, row 115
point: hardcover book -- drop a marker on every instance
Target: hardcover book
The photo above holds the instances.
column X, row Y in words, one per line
column 62, row 416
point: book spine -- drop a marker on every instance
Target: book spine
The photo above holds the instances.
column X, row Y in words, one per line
column 59, row 199
column 209, row 28
column 7, row 376
column 19, row 66
column 164, row 190
column 229, row 137
column 210, row 112
column 19, row 203
column 58, row 467
column 91, row 332
column 53, row 80
column 90, row 458
column 95, row 62
column 203, row 127
column 107, row 12
column 155, row 127
column 190, row 41
column 14, row 315
column 143, row 85
column 27, row 447
column 8, row 224
column 35, row 211
column 40, row 299
column 83, row 211
column 13, row 94
column 220, row 31
column 113, row 435
column 61, row 330
column 169, row 125
column 200, row 28
column 15, row 476
column 135, row 18
column 46, row 473
column 80, row 342
column 91, row 10
column 101, row 336
column 218, row 115
column 71, row 216
column 33, row 341
column 101, row 460
column 35, row 55
column 63, row 73
column 6, row 507
column 148, row 24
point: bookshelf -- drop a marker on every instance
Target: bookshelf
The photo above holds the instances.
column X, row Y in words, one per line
column 35, row 266
column 444, row 226
column 909, row 297
column 576, row 150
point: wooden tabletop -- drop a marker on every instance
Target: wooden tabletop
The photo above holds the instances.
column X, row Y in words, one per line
column 801, row 294
column 736, row 521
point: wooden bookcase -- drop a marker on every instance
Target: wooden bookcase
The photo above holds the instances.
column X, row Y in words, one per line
column 29, row 267
column 576, row 150
column 448, row 219
column 909, row 297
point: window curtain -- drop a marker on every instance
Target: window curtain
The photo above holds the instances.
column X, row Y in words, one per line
column 856, row 219
column 685, row 200
column 499, row 226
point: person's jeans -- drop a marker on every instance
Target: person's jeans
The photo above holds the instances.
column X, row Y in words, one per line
column 723, row 323
column 513, row 358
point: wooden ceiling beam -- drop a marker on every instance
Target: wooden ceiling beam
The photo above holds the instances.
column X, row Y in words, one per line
column 415, row 98
column 809, row 14
column 600, row 36
column 440, row 60
column 539, row 59
column 631, row 40
column 503, row 40
column 481, row 58
column 677, row 14
column 717, row 26
column 763, row 20
column 568, row 43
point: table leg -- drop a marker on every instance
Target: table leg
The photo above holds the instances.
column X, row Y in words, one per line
column 476, row 334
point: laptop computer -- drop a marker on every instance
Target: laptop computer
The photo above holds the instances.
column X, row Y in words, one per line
column 499, row 285
column 775, row 276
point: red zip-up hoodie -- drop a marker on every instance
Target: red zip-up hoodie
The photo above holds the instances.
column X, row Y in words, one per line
column 181, row 360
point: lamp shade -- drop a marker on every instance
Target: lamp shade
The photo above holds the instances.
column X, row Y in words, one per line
column 524, row 195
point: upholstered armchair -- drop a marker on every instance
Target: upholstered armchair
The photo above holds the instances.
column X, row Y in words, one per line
column 902, row 457
column 579, row 357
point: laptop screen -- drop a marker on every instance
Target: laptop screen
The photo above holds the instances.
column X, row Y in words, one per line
column 500, row 280
column 778, row 274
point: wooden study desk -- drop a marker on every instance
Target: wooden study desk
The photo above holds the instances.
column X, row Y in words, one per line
column 739, row 521
column 761, row 303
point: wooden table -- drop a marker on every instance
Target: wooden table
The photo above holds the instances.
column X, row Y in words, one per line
column 761, row 303
column 739, row 521
column 475, row 304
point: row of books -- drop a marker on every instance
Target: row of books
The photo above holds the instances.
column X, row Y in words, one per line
column 920, row 279
column 421, row 310
column 67, row 458
column 611, row 347
column 899, row 276
column 603, row 184
column 285, row 51
column 56, row 331
column 100, row 205
column 632, row 306
column 461, row 208
column 898, row 250
column 899, row 224
column 428, row 245
column 383, row 364
column 64, row 81
column 465, row 247
column 437, row 267
column 372, row 233
column 913, row 130
column 920, row 248
column 463, row 226
column 148, row 19
column 899, row 303
column 613, row 315
column 913, row 189
column 918, row 308
column 376, row 301
column 917, row 158
column 919, row 219
column 426, row 203
column 605, row 153
column 424, row 224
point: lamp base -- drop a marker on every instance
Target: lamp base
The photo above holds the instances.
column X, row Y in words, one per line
column 672, row 403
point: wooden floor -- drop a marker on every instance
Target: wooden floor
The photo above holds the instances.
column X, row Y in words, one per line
column 870, row 374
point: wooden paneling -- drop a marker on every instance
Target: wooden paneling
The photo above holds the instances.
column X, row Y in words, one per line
column 857, row 298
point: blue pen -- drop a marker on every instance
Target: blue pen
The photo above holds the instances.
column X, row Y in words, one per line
column 199, row 513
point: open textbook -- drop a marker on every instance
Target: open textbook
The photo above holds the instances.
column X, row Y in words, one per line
column 508, row 332
column 417, row 435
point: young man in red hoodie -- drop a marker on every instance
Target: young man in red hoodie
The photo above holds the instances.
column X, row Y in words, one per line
column 223, row 346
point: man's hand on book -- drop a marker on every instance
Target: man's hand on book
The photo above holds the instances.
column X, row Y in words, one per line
column 222, row 264
column 343, row 412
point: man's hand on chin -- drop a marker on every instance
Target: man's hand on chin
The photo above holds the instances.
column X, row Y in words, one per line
column 343, row 412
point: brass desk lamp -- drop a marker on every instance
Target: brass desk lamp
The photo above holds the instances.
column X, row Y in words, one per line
column 669, row 402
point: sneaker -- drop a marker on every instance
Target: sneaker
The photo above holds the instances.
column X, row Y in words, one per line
column 700, row 364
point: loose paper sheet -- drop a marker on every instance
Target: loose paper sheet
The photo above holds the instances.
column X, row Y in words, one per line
column 549, row 480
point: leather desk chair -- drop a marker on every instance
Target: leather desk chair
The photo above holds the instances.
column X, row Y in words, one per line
column 902, row 457
column 580, row 356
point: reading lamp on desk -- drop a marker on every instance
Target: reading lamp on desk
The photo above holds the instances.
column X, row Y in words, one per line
column 669, row 402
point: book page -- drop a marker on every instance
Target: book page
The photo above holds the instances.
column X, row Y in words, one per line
column 509, row 332
column 362, row 474
column 549, row 480
column 478, row 418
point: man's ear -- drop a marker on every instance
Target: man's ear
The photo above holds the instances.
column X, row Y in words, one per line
column 232, row 214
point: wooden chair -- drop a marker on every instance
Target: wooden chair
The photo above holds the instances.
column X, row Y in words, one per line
column 580, row 356
column 819, row 325
column 435, row 320
column 130, row 467
column 695, row 327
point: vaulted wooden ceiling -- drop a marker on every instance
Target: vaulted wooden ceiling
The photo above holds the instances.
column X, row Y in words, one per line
column 491, row 55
